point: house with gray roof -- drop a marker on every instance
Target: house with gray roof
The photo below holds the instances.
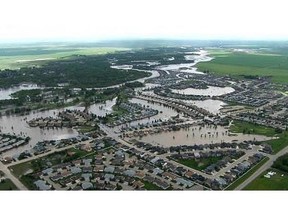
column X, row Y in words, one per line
column 42, row 185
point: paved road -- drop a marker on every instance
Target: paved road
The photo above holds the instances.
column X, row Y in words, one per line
column 9, row 175
column 264, row 167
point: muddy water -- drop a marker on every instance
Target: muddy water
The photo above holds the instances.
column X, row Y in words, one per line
column 18, row 125
column 186, row 137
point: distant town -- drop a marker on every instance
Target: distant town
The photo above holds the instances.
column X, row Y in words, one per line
column 185, row 116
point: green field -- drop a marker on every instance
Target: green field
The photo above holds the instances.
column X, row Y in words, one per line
column 246, row 175
column 7, row 184
column 250, row 128
column 21, row 169
column 199, row 164
column 276, row 182
column 248, row 63
column 278, row 144
column 23, row 57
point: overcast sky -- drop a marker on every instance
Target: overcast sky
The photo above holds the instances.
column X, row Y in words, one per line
column 22, row 20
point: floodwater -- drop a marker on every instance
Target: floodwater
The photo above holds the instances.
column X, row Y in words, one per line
column 5, row 93
column 165, row 113
column 213, row 106
column 16, row 124
column 103, row 109
column 185, row 137
column 199, row 56
column 210, row 91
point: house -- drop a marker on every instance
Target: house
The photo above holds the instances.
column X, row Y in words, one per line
column 87, row 162
column 87, row 169
column 154, row 160
column 99, row 186
column 180, row 170
column 76, row 162
column 110, row 187
column 86, row 176
column 87, row 185
column 189, row 174
column 48, row 171
column 98, row 168
column 109, row 177
column 169, row 175
column 185, row 183
column 75, row 170
column 117, row 162
column 130, row 173
column 148, row 178
column 140, row 174
column 138, row 184
column 98, row 162
column 109, row 169
column 42, row 185
column 157, row 171
column 161, row 184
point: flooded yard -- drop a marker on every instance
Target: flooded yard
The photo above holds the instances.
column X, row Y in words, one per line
column 194, row 136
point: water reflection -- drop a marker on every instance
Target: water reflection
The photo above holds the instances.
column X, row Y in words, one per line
column 5, row 93
column 210, row 91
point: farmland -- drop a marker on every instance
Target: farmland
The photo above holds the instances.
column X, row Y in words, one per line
column 248, row 63
column 13, row 58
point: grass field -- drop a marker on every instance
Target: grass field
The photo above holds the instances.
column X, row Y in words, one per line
column 21, row 168
column 250, row 128
column 7, row 185
column 247, row 63
column 36, row 57
column 199, row 164
column 246, row 175
column 276, row 144
column 276, row 182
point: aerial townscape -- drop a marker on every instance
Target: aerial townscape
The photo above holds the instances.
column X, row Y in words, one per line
column 144, row 115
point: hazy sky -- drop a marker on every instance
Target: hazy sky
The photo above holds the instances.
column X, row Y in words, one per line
column 107, row 19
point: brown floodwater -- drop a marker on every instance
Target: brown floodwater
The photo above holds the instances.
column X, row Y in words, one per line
column 207, row 135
